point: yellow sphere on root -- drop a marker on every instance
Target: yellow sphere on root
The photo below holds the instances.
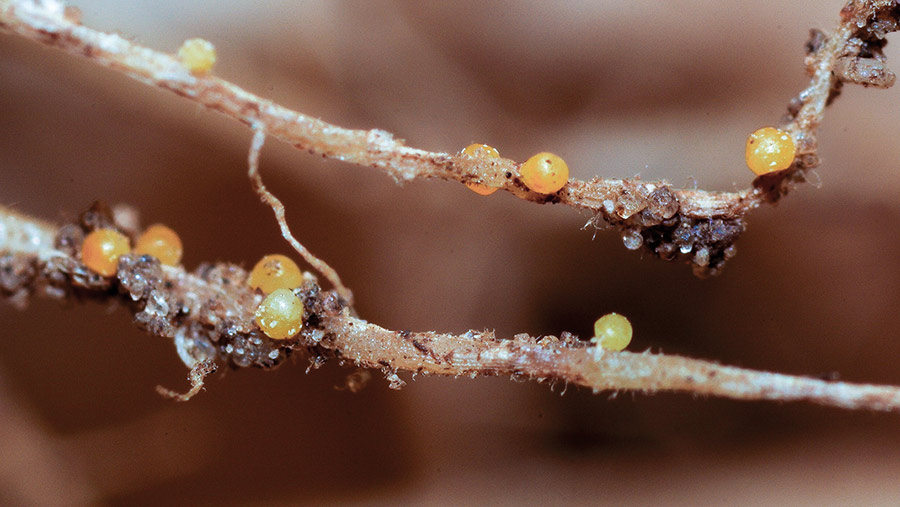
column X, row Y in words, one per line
column 612, row 332
column 101, row 250
column 545, row 173
column 274, row 272
column 483, row 151
column 197, row 55
column 280, row 315
column 160, row 242
column 769, row 150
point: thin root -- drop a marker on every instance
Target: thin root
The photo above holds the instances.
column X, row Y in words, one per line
column 259, row 137
column 198, row 373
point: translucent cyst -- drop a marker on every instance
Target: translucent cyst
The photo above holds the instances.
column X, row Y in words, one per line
column 481, row 151
column 280, row 315
column 632, row 240
column 701, row 258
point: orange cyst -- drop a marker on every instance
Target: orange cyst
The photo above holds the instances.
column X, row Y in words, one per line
column 162, row 243
column 280, row 315
column 274, row 272
column 770, row 149
column 545, row 173
column 101, row 250
column 480, row 189
column 483, row 151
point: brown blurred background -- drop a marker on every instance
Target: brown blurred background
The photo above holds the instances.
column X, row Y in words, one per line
column 661, row 89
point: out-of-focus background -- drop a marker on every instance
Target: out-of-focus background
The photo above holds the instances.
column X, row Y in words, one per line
column 660, row 89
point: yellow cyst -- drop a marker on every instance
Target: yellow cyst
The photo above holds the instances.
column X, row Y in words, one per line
column 770, row 149
column 482, row 151
column 162, row 243
column 280, row 315
column 275, row 272
column 101, row 250
column 198, row 55
column 612, row 332
column 545, row 173
column 480, row 189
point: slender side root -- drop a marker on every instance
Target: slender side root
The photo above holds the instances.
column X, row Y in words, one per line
column 259, row 137
column 198, row 373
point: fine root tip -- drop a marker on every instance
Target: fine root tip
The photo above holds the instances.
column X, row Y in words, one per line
column 198, row 373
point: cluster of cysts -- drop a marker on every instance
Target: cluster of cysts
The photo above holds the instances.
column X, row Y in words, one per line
column 279, row 316
column 648, row 213
column 544, row 173
column 768, row 150
column 103, row 247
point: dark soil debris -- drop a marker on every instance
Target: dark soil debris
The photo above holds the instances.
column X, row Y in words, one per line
column 208, row 314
